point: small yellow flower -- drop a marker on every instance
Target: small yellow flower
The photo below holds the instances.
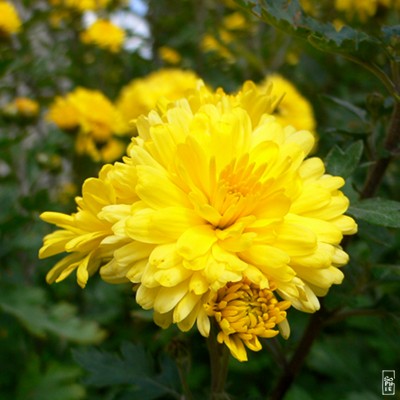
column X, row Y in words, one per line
column 245, row 313
column 95, row 118
column 234, row 21
column 169, row 55
column 142, row 94
column 218, row 44
column 22, row 106
column 10, row 22
column 308, row 6
column 104, row 34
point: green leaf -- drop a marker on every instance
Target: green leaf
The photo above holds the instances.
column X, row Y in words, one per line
column 377, row 211
column 29, row 306
column 344, row 162
column 54, row 382
column 357, row 111
column 290, row 17
column 391, row 36
column 132, row 367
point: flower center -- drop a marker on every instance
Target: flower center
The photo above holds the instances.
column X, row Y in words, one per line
column 244, row 313
column 239, row 190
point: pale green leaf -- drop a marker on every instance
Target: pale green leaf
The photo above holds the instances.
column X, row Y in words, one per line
column 29, row 306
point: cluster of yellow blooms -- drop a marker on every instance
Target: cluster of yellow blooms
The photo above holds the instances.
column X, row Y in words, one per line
column 215, row 213
column 81, row 5
column 364, row 9
column 10, row 22
column 361, row 10
column 104, row 34
column 94, row 118
column 220, row 44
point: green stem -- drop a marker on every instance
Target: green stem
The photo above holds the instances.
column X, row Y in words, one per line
column 219, row 360
column 294, row 366
column 391, row 145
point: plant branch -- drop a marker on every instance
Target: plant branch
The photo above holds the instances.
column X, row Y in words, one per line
column 219, row 359
column 391, row 146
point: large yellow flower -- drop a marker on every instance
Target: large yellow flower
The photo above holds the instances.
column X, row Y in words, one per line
column 9, row 20
column 215, row 200
column 96, row 118
column 104, row 34
column 142, row 94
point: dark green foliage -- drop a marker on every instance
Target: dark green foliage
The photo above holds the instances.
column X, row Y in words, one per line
column 133, row 369
column 380, row 212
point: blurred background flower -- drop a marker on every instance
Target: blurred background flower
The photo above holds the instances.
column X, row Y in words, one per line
column 104, row 34
column 10, row 21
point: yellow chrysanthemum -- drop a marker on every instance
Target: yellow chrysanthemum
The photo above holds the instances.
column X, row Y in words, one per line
column 293, row 108
column 10, row 22
column 22, row 106
column 63, row 113
column 96, row 118
column 214, row 191
column 81, row 5
column 142, row 94
column 104, row 34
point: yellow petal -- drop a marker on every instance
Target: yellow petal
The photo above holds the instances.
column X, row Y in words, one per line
column 203, row 323
column 198, row 283
column 156, row 189
column 325, row 231
column 295, row 240
column 54, row 243
column 145, row 296
column 163, row 320
column 59, row 219
column 171, row 222
column 172, row 276
column 196, row 241
column 168, row 298
column 323, row 277
column 185, row 306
